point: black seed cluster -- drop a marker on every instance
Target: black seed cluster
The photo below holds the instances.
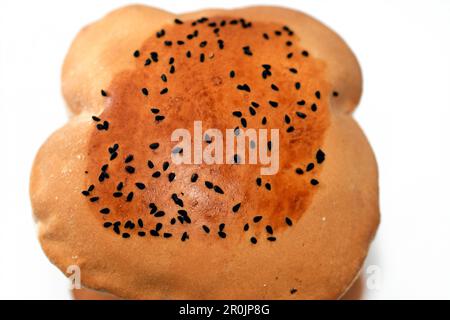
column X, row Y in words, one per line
column 203, row 50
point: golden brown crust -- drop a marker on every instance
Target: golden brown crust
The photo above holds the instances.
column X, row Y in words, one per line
column 319, row 256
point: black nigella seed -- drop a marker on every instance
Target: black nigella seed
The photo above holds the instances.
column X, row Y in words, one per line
column 91, row 188
column 194, row 177
column 244, row 122
column 154, row 146
column 140, row 185
column 237, row 114
column 105, row 211
column 264, row 120
column 317, row 94
column 168, row 43
column 314, row 182
column 288, row 221
column 288, row 43
column 209, row 184
column 300, row 115
column 220, row 43
column 96, row 119
column 147, row 62
column 314, row 107
column 236, row 207
column 252, row 111
column 293, row 70
column 258, row 182
column 253, row 240
column 222, row 234
column 159, row 118
column 141, row 234
column 271, row 238
column 154, row 56
column 290, row 129
column 202, row 57
column 85, row 193
column 268, row 186
column 130, row 169
column 136, row 54
column 203, row 44
column 301, row 102
column 129, row 158
column 177, row 150
column 158, row 226
column 178, row 21
column 205, row 228
column 160, row 33
column 298, row 85
column 167, row 235
column 320, row 156
column 107, row 224
column 305, row 53
column 171, row 60
column 289, row 55
column 164, row 77
column 277, row 32
column 335, row 94
column 266, row 36
column 257, row 219
column 273, row 104
column 269, row 229
column 255, row 104
column 173, row 221
column 218, row 190
column 94, row 199
column 165, row 165
column 185, row 236
column 125, row 235
column 150, row 164
column 159, row 214
column 298, row 171
column 232, row 74
column 130, row 196
column 140, row 222
column 156, row 174
column 274, row 87
column 154, row 233
column 247, row 51
column 117, row 194
column 246, row 227
column 164, row 91
column 103, row 92
column 154, row 110
column 269, row 145
column 172, row 69
column 310, row 166
column 236, row 159
column 243, row 87
column 221, row 226
column 287, row 119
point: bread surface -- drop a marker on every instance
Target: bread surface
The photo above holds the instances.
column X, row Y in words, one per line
column 300, row 234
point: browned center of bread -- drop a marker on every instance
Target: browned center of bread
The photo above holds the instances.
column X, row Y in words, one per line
column 228, row 73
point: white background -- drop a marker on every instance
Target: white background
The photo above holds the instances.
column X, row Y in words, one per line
column 404, row 50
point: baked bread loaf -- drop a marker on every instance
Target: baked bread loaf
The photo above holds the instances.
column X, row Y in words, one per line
column 108, row 198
